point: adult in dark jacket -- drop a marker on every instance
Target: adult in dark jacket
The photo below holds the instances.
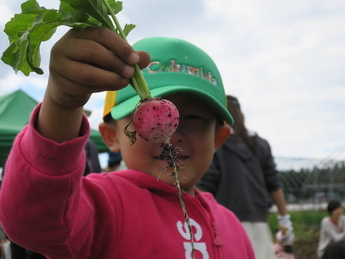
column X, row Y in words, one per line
column 92, row 160
column 242, row 177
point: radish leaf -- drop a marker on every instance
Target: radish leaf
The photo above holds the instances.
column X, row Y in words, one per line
column 93, row 8
column 36, row 24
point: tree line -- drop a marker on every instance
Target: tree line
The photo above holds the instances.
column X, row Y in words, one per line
column 320, row 183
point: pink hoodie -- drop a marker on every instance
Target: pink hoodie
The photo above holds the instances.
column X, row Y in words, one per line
column 48, row 207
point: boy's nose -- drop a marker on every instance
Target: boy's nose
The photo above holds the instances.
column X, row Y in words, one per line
column 177, row 137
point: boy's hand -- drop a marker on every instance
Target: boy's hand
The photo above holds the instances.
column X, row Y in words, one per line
column 82, row 62
column 90, row 60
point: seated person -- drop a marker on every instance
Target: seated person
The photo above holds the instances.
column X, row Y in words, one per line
column 332, row 235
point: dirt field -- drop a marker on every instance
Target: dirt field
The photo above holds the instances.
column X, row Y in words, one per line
column 305, row 246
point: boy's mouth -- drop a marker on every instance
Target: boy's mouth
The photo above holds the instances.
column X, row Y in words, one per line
column 179, row 157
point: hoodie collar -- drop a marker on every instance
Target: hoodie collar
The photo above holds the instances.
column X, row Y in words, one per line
column 144, row 180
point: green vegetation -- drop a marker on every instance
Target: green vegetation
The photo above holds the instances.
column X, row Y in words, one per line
column 300, row 219
column 36, row 24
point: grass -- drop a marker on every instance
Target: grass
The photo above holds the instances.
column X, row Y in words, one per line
column 306, row 229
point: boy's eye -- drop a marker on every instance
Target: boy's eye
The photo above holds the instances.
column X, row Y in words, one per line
column 193, row 117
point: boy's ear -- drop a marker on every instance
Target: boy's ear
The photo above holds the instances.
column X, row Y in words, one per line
column 109, row 135
column 221, row 135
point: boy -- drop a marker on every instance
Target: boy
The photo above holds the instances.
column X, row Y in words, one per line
column 46, row 204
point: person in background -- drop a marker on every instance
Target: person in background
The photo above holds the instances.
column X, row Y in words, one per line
column 92, row 159
column 241, row 177
column 5, row 245
column 332, row 233
column 115, row 162
column 283, row 244
column 19, row 252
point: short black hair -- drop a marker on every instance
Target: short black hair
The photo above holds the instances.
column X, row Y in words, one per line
column 333, row 205
column 108, row 118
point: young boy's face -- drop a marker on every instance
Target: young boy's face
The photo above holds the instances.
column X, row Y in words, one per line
column 195, row 140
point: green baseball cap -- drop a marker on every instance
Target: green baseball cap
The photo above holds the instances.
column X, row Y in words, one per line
column 176, row 66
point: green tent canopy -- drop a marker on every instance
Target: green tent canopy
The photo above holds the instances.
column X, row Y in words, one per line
column 15, row 110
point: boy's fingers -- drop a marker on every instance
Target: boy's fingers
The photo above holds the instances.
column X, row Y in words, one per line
column 144, row 59
column 110, row 40
column 88, row 51
column 91, row 60
column 80, row 45
column 87, row 77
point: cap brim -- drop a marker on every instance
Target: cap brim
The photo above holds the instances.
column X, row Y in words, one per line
column 123, row 109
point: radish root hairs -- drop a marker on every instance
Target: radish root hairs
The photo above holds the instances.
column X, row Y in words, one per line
column 166, row 126
column 169, row 153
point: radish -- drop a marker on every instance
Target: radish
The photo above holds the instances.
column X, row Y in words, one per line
column 156, row 120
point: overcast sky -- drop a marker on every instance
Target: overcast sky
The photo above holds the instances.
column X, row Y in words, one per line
column 284, row 60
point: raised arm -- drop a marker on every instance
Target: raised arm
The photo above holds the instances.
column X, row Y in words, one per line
column 42, row 191
column 82, row 62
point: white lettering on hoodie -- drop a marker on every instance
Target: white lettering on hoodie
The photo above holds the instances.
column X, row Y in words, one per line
column 199, row 246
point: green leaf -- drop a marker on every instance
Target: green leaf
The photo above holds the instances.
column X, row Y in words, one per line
column 94, row 8
column 36, row 24
column 11, row 56
column 42, row 30
column 128, row 28
column 71, row 14
column 32, row 7
column 17, row 30
column 76, row 18
column 18, row 25
column 116, row 6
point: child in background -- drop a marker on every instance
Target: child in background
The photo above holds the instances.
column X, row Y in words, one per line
column 283, row 244
column 114, row 162
column 124, row 214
